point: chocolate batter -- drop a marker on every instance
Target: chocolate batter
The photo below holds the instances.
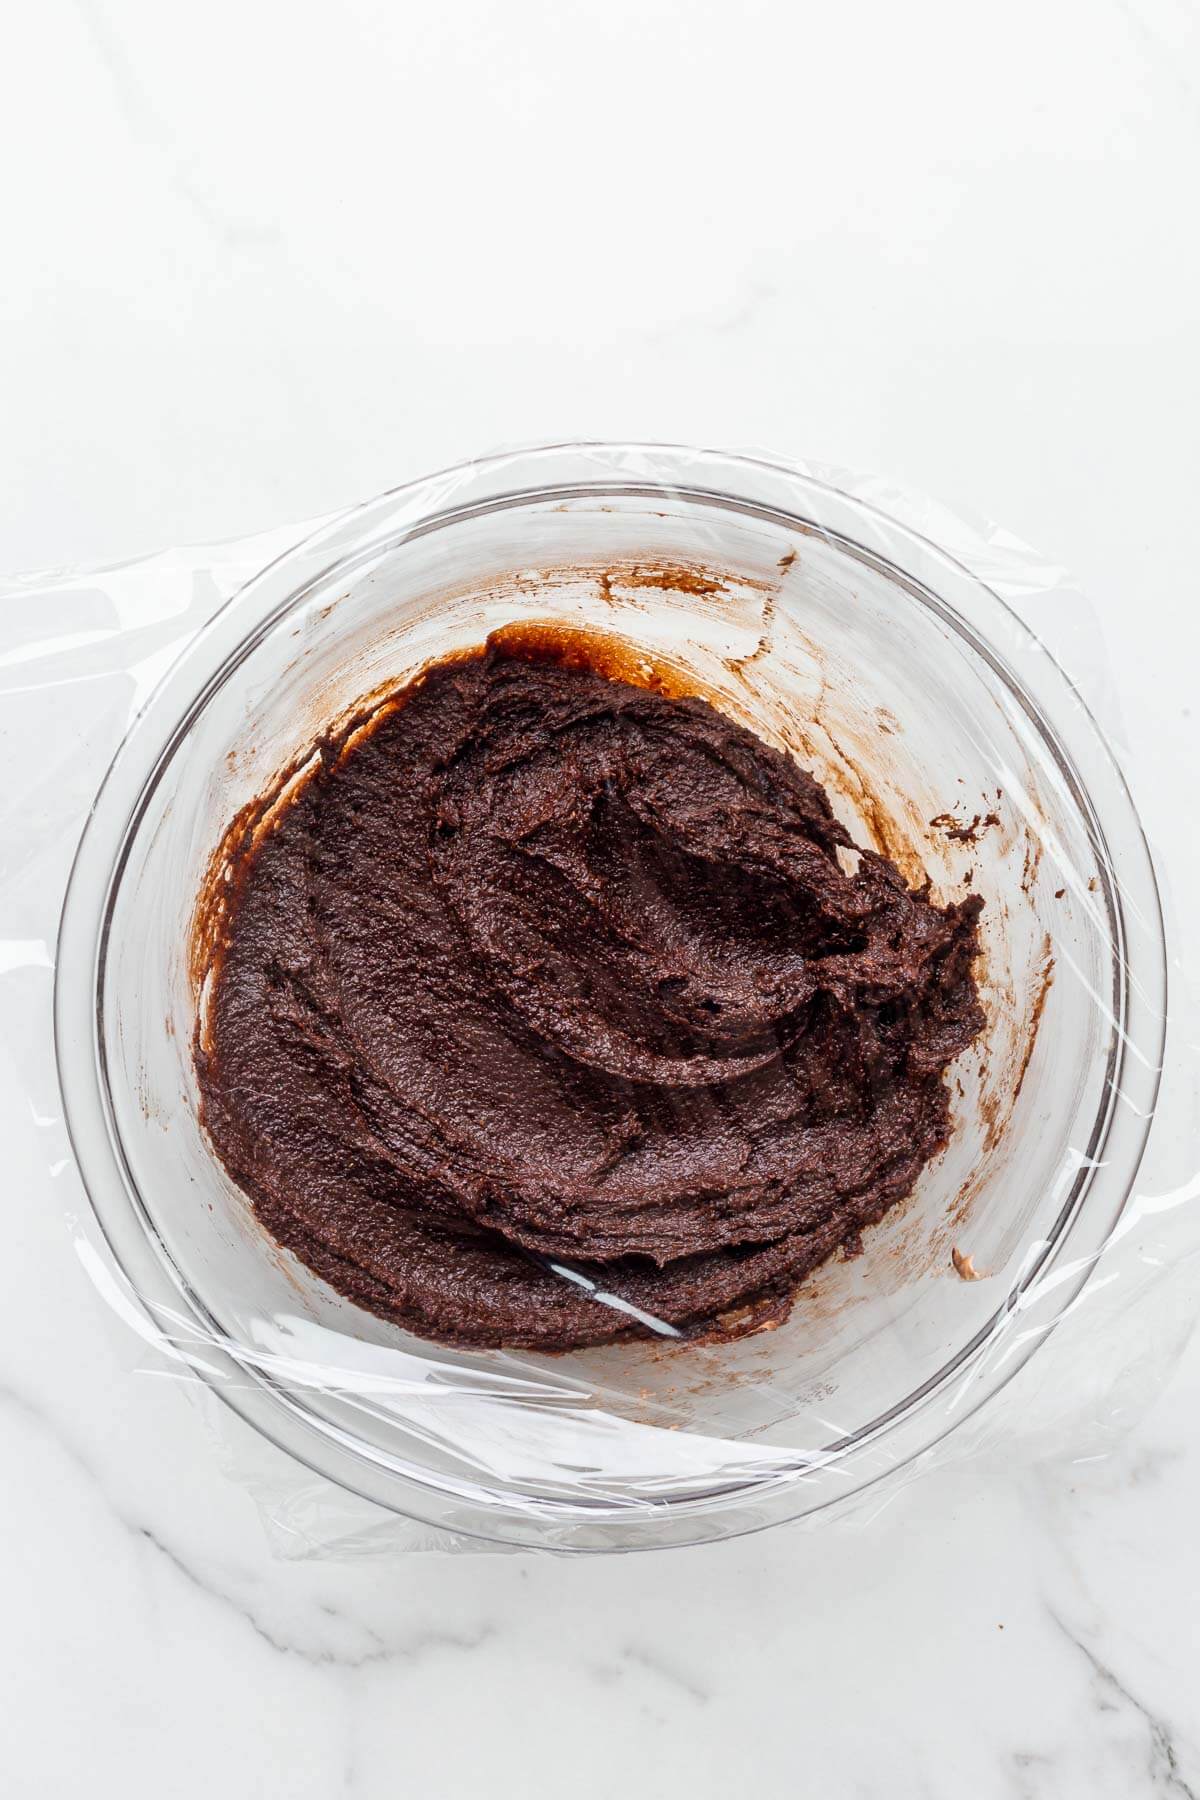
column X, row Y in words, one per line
column 546, row 987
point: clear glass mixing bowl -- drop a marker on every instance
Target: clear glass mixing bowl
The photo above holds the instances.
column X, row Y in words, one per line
column 915, row 696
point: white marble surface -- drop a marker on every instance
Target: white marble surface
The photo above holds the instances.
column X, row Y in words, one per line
column 259, row 261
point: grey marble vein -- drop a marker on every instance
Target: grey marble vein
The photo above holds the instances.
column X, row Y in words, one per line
column 1160, row 54
column 631, row 1656
column 146, row 124
column 1114, row 1696
column 410, row 1650
column 668, row 1672
column 753, row 297
column 1029, row 1769
column 27, row 1409
column 376, row 1650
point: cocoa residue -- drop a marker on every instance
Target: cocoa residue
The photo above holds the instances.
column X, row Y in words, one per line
column 960, row 831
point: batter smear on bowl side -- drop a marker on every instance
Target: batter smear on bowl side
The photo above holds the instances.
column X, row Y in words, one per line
column 539, row 971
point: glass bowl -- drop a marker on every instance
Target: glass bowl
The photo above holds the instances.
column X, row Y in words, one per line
column 945, row 735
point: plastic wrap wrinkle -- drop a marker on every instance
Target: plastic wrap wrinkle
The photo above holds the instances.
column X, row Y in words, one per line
column 1080, row 1295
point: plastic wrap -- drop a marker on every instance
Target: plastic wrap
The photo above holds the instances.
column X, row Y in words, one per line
column 903, row 655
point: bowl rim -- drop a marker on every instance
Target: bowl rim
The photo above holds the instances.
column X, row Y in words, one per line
column 417, row 508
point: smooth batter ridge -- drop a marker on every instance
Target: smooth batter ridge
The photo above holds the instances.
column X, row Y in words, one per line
column 541, row 968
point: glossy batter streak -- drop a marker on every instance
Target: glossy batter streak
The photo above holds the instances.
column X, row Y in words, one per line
column 545, row 972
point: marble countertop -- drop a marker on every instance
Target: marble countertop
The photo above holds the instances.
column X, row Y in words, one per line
column 263, row 261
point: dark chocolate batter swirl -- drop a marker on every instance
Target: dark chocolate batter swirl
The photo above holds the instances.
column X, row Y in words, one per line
column 543, row 969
